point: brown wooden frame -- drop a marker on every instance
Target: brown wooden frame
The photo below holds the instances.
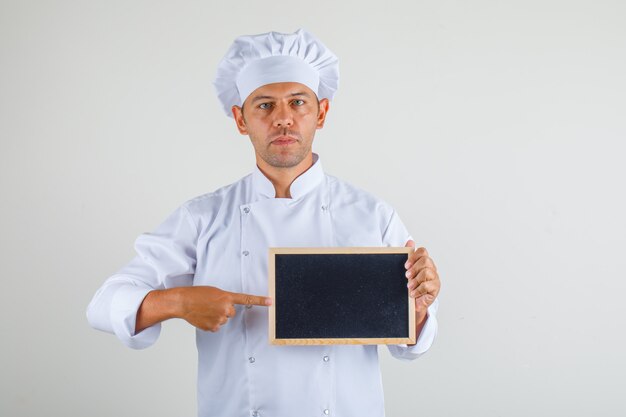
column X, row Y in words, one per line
column 329, row 341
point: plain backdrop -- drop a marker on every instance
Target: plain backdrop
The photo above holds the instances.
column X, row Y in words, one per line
column 495, row 128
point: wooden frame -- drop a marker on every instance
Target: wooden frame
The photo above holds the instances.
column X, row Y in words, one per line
column 410, row 337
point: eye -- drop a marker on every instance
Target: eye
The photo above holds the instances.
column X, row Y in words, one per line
column 265, row 106
column 298, row 102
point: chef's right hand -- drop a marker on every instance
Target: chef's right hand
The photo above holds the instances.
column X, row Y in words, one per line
column 209, row 308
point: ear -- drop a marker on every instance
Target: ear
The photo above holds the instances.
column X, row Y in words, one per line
column 323, row 111
column 239, row 120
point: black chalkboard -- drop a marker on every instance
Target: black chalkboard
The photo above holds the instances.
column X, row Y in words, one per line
column 340, row 295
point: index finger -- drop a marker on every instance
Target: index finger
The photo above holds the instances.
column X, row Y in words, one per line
column 415, row 255
column 419, row 253
column 250, row 300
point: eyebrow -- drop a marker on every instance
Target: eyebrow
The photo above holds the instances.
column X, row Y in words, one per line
column 303, row 93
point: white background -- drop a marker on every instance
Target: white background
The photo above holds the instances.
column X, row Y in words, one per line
column 495, row 128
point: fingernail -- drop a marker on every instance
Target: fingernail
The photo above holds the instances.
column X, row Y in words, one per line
column 408, row 274
column 406, row 265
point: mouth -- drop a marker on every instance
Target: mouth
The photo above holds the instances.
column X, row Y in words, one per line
column 283, row 141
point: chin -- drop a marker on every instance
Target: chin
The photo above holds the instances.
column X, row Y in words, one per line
column 284, row 162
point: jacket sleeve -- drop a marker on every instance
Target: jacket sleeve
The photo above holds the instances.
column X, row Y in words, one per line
column 395, row 234
column 165, row 258
column 424, row 341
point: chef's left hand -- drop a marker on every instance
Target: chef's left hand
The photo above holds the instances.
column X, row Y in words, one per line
column 423, row 279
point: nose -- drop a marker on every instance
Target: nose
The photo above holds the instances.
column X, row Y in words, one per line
column 283, row 117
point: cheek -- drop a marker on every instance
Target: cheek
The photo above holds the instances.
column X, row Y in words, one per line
column 309, row 117
column 255, row 125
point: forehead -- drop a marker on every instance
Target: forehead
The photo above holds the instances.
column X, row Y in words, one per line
column 279, row 91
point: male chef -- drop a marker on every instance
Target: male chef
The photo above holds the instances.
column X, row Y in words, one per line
column 207, row 262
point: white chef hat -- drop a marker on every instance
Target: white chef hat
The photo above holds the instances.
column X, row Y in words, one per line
column 256, row 60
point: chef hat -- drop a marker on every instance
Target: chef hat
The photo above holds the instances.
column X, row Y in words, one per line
column 256, row 60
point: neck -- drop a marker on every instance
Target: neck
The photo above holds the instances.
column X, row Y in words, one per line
column 282, row 178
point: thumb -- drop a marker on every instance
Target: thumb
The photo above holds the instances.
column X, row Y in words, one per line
column 409, row 244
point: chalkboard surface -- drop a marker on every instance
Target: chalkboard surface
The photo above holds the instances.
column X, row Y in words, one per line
column 340, row 295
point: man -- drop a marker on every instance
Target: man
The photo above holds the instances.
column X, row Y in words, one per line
column 207, row 263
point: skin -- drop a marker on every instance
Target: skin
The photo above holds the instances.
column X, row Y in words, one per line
column 204, row 307
column 423, row 283
column 281, row 120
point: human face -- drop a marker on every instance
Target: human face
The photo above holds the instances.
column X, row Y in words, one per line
column 281, row 120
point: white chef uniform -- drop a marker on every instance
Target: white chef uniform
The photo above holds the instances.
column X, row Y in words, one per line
column 221, row 239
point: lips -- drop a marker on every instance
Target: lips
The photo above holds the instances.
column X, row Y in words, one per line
column 284, row 141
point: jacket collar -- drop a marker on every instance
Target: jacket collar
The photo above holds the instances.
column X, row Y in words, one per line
column 306, row 182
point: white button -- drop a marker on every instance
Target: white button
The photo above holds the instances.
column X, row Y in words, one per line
column 326, row 358
column 248, row 305
column 327, row 411
column 246, row 210
column 251, row 359
column 246, row 253
column 255, row 413
column 324, row 208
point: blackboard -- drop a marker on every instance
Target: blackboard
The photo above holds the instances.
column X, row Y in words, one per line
column 340, row 296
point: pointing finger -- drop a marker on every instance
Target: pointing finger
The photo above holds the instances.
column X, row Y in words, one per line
column 250, row 300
